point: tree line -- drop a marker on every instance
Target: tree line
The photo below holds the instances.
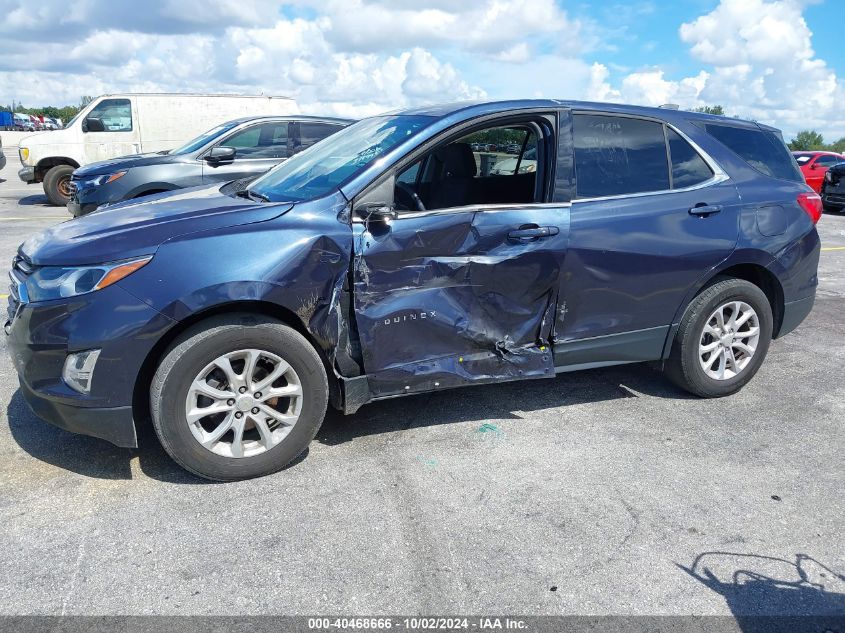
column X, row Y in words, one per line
column 65, row 113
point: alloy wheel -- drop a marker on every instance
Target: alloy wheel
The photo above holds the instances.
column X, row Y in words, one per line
column 243, row 403
column 729, row 340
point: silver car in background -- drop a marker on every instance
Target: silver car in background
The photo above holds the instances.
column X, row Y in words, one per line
column 240, row 148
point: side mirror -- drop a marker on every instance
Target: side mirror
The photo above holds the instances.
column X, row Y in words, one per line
column 220, row 155
column 92, row 124
column 377, row 212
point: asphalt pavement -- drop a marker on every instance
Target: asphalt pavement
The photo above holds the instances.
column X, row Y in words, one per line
column 600, row 492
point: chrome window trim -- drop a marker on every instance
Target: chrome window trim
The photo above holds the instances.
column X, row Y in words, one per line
column 719, row 174
column 474, row 208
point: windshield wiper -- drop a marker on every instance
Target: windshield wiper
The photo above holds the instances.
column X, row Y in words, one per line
column 252, row 195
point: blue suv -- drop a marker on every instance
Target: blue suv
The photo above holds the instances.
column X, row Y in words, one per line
column 394, row 259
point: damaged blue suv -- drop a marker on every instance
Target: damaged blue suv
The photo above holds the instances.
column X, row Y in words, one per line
column 404, row 255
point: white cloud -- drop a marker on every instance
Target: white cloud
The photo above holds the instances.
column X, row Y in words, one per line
column 357, row 57
column 761, row 65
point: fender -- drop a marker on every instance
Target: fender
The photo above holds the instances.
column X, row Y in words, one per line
column 738, row 257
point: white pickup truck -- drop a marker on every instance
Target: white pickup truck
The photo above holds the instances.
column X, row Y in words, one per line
column 121, row 124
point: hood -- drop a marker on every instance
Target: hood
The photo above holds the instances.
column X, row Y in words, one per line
column 124, row 162
column 138, row 228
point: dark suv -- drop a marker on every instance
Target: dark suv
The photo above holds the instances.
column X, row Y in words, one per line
column 384, row 262
column 241, row 148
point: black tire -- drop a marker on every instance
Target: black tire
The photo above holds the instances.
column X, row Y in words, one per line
column 684, row 367
column 55, row 184
column 200, row 345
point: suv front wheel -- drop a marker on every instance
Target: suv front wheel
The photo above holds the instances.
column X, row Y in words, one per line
column 722, row 340
column 238, row 396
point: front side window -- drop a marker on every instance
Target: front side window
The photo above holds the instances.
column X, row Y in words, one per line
column 618, row 155
column 826, row 160
column 467, row 172
column 268, row 140
column 325, row 166
column 116, row 114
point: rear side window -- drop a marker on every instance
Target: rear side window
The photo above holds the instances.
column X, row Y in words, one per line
column 688, row 167
column 310, row 133
column 763, row 150
column 618, row 155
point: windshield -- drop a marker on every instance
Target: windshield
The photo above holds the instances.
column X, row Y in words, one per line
column 325, row 166
column 194, row 144
column 802, row 158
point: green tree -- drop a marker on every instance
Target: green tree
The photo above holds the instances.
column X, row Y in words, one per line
column 807, row 140
column 838, row 146
column 716, row 109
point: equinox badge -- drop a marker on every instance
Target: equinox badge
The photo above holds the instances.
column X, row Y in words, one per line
column 413, row 316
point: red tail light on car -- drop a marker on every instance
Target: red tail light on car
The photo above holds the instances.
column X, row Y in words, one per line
column 812, row 205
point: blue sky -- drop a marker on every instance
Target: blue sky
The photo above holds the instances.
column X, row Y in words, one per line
column 777, row 61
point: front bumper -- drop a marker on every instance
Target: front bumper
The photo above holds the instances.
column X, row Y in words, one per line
column 85, row 197
column 115, row 424
column 832, row 199
column 41, row 335
column 27, row 174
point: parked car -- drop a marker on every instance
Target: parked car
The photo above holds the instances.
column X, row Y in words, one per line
column 7, row 121
column 833, row 188
column 123, row 124
column 524, row 163
column 814, row 165
column 237, row 149
column 23, row 123
column 379, row 263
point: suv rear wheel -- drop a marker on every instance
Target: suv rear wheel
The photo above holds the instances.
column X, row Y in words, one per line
column 722, row 340
column 238, row 396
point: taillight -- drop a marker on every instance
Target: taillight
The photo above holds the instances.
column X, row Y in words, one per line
column 812, row 205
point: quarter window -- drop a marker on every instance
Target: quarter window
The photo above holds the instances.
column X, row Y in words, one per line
column 116, row 114
column 763, row 150
column 688, row 167
column 618, row 155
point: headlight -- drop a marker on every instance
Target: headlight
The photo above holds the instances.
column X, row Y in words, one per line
column 24, row 154
column 105, row 178
column 56, row 282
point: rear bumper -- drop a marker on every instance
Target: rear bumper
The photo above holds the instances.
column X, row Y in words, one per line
column 114, row 425
column 794, row 314
column 27, row 174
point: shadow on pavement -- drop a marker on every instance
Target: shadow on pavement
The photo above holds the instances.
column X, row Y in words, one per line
column 97, row 458
column 35, row 200
column 768, row 595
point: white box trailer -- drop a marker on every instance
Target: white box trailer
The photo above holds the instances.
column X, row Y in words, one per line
column 123, row 124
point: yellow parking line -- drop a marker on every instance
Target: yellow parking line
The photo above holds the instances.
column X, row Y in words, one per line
column 4, row 296
column 834, row 248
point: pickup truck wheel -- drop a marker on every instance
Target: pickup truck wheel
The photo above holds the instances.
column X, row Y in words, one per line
column 238, row 396
column 57, row 184
column 722, row 340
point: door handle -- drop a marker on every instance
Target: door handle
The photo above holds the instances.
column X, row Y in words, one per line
column 527, row 233
column 705, row 210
